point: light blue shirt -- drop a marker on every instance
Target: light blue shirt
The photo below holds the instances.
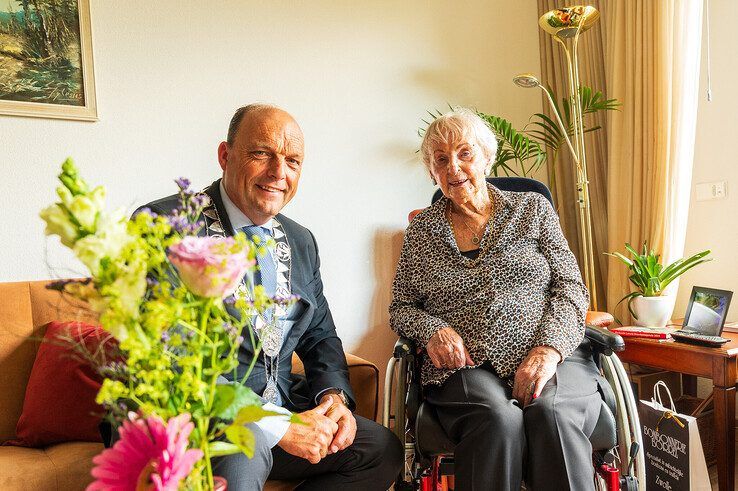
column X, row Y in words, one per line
column 273, row 427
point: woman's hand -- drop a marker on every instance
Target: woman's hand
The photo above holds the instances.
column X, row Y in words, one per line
column 446, row 350
column 536, row 369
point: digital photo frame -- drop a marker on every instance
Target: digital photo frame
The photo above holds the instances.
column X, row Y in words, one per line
column 707, row 310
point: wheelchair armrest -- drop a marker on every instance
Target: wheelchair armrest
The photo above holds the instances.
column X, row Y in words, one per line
column 599, row 319
column 604, row 340
column 403, row 347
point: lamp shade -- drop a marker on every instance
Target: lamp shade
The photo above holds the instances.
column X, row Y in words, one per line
column 565, row 22
column 526, row 80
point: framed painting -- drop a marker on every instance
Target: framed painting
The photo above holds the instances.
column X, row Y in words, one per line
column 46, row 59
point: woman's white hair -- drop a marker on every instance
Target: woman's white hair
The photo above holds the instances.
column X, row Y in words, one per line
column 458, row 125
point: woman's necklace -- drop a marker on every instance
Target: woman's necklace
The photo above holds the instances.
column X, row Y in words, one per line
column 475, row 237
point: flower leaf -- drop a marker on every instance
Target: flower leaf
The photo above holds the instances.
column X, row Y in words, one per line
column 251, row 414
column 220, row 448
column 230, row 398
column 242, row 437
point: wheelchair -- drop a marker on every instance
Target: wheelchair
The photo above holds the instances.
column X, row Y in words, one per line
column 617, row 443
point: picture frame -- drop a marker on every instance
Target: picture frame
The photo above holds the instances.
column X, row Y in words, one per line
column 44, row 76
column 707, row 310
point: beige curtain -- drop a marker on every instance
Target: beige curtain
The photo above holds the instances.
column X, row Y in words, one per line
column 653, row 59
column 592, row 74
column 646, row 54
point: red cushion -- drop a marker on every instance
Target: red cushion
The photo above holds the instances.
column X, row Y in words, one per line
column 59, row 405
column 413, row 214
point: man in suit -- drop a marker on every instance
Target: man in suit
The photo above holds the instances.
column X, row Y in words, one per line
column 261, row 161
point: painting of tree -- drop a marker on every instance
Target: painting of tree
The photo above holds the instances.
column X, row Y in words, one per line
column 45, row 53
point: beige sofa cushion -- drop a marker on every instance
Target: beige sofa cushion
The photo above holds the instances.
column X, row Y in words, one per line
column 25, row 308
column 63, row 466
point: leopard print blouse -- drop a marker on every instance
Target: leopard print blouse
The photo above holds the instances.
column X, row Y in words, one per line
column 524, row 290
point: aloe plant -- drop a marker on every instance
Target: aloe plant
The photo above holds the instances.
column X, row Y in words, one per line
column 649, row 276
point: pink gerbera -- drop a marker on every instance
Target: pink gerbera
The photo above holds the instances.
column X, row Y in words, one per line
column 150, row 455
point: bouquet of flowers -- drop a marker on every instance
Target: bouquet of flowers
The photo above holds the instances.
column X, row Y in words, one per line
column 167, row 297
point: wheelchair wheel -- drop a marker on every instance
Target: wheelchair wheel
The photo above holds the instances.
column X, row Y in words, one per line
column 628, row 426
column 397, row 380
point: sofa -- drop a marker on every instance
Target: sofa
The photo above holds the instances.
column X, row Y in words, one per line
column 25, row 309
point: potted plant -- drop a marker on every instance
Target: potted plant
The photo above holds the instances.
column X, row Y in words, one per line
column 648, row 305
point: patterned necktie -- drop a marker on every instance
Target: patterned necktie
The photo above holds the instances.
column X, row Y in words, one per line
column 270, row 333
column 267, row 273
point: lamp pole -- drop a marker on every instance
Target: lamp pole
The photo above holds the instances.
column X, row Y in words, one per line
column 567, row 24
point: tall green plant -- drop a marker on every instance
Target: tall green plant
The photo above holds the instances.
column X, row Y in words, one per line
column 514, row 147
column 548, row 132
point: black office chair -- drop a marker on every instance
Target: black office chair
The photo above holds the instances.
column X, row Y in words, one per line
column 616, row 439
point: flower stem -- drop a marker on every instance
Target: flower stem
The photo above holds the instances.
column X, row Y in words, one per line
column 204, row 421
column 205, row 447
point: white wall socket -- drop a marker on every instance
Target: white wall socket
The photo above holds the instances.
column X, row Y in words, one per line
column 711, row 190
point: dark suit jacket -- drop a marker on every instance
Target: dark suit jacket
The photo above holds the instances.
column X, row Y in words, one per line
column 313, row 333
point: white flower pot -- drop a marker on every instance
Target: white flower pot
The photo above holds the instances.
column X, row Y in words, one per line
column 653, row 311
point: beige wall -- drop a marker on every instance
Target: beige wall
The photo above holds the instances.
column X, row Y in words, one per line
column 358, row 76
column 714, row 224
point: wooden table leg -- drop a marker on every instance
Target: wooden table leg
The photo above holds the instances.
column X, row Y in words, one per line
column 689, row 385
column 725, row 436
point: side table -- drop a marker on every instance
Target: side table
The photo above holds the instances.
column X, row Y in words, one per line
column 716, row 364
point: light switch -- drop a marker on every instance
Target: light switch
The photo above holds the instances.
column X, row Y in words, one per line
column 711, row 190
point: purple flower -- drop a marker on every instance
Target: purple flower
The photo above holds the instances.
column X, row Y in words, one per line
column 183, row 183
column 229, row 329
column 178, row 222
column 199, row 201
column 289, row 299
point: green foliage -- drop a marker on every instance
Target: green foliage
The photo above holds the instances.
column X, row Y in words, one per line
column 230, row 398
column 521, row 153
column 514, row 147
column 547, row 131
column 649, row 276
column 243, row 438
column 515, row 150
column 220, row 448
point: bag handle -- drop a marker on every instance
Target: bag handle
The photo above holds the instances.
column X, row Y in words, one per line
column 657, row 394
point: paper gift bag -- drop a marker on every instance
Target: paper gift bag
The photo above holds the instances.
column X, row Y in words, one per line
column 671, row 446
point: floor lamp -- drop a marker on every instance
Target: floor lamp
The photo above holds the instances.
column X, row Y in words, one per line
column 565, row 25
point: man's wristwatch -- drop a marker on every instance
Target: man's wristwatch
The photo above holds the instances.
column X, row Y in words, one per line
column 340, row 393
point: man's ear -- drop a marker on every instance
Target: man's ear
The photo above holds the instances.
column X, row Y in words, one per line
column 223, row 154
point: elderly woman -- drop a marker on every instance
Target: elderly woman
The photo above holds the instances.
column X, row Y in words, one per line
column 487, row 284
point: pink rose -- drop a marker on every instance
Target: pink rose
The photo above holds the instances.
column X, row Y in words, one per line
column 210, row 266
